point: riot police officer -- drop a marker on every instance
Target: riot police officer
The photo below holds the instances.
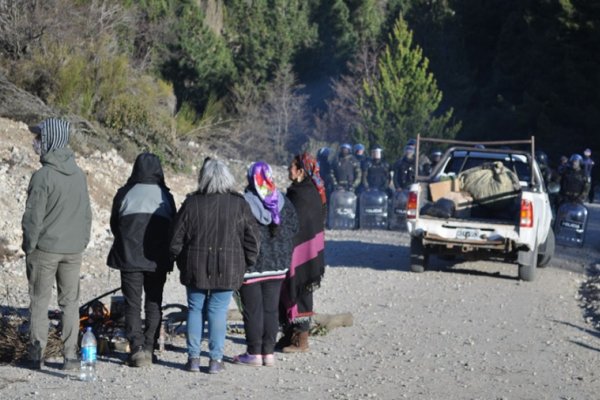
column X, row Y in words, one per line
column 542, row 160
column 377, row 172
column 588, row 165
column 345, row 170
column 434, row 158
column 325, row 168
column 574, row 185
column 404, row 169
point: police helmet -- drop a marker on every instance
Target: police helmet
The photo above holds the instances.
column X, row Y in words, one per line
column 358, row 147
column 435, row 155
column 346, row 146
column 376, row 152
column 411, row 142
column 323, row 152
column 575, row 158
column 541, row 157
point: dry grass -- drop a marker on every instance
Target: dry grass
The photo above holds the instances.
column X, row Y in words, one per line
column 13, row 340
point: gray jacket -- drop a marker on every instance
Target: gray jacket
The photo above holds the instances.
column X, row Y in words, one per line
column 57, row 216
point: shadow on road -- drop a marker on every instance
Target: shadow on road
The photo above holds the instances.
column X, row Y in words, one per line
column 451, row 268
column 377, row 256
column 587, row 346
column 591, row 332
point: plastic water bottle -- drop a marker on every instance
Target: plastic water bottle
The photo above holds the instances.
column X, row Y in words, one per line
column 88, row 356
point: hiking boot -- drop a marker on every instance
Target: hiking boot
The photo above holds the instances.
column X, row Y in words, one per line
column 193, row 364
column 299, row 343
column 151, row 356
column 268, row 360
column 71, row 364
column 216, row 366
column 138, row 358
column 254, row 360
column 35, row 365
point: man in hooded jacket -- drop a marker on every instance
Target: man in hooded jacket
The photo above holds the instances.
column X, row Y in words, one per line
column 56, row 229
column 140, row 220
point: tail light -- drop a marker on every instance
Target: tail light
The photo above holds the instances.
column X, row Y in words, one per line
column 526, row 214
column 411, row 205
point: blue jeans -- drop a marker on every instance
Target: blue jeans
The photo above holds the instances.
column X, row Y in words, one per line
column 216, row 303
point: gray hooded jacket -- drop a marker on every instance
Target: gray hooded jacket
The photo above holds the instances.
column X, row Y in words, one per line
column 58, row 215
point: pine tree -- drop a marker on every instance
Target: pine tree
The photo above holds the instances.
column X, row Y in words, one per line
column 403, row 100
column 200, row 65
column 267, row 34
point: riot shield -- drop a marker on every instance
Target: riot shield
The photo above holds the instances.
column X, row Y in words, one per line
column 342, row 210
column 397, row 213
column 570, row 225
column 373, row 210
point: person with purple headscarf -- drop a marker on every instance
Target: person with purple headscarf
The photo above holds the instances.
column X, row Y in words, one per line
column 278, row 224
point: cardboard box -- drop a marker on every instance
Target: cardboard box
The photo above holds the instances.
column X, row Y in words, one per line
column 463, row 203
column 439, row 189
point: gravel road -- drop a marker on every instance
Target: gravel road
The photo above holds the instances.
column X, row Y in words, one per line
column 459, row 331
column 464, row 331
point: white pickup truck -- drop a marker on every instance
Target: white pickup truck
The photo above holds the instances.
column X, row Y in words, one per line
column 520, row 233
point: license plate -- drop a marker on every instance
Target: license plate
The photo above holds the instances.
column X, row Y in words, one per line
column 467, row 234
column 572, row 225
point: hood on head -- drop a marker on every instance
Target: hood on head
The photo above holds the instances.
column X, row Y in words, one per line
column 54, row 134
column 147, row 169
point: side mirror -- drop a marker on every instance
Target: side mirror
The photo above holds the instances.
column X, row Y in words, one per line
column 553, row 188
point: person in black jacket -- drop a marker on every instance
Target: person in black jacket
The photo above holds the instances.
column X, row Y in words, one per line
column 308, row 264
column 141, row 214
column 377, row 172
column 278, row 224
column 345, row 170
column 404, row 169
column 215, row 238
column 574, row 186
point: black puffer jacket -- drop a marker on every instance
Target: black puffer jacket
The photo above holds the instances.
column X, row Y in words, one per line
column 141, row 215
column 215, row 237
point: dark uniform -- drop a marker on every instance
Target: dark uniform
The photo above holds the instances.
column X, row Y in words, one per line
column 325, row 170
column 574, row 186
column 345, row 172
column 377, row 175
column 404, row 172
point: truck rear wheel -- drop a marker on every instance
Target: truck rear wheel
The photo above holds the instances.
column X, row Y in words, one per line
column 419, row 256
column 527, row 265
column 547, row 253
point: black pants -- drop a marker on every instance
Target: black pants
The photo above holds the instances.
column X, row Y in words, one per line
column 132, row 284
column 260, row 302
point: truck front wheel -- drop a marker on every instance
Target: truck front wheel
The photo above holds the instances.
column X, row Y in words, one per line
column 419, row 256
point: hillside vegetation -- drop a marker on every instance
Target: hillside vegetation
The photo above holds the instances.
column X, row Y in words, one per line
column 270, row 77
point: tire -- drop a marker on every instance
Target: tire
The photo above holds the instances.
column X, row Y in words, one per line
column 527, row 270
column 419, row 256
column 545, row 257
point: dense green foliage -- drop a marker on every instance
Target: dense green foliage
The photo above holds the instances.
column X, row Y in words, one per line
column 268, row 76
column 402, row 100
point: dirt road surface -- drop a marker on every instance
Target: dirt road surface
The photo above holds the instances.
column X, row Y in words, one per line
column 467, row 330
column 463, row 331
